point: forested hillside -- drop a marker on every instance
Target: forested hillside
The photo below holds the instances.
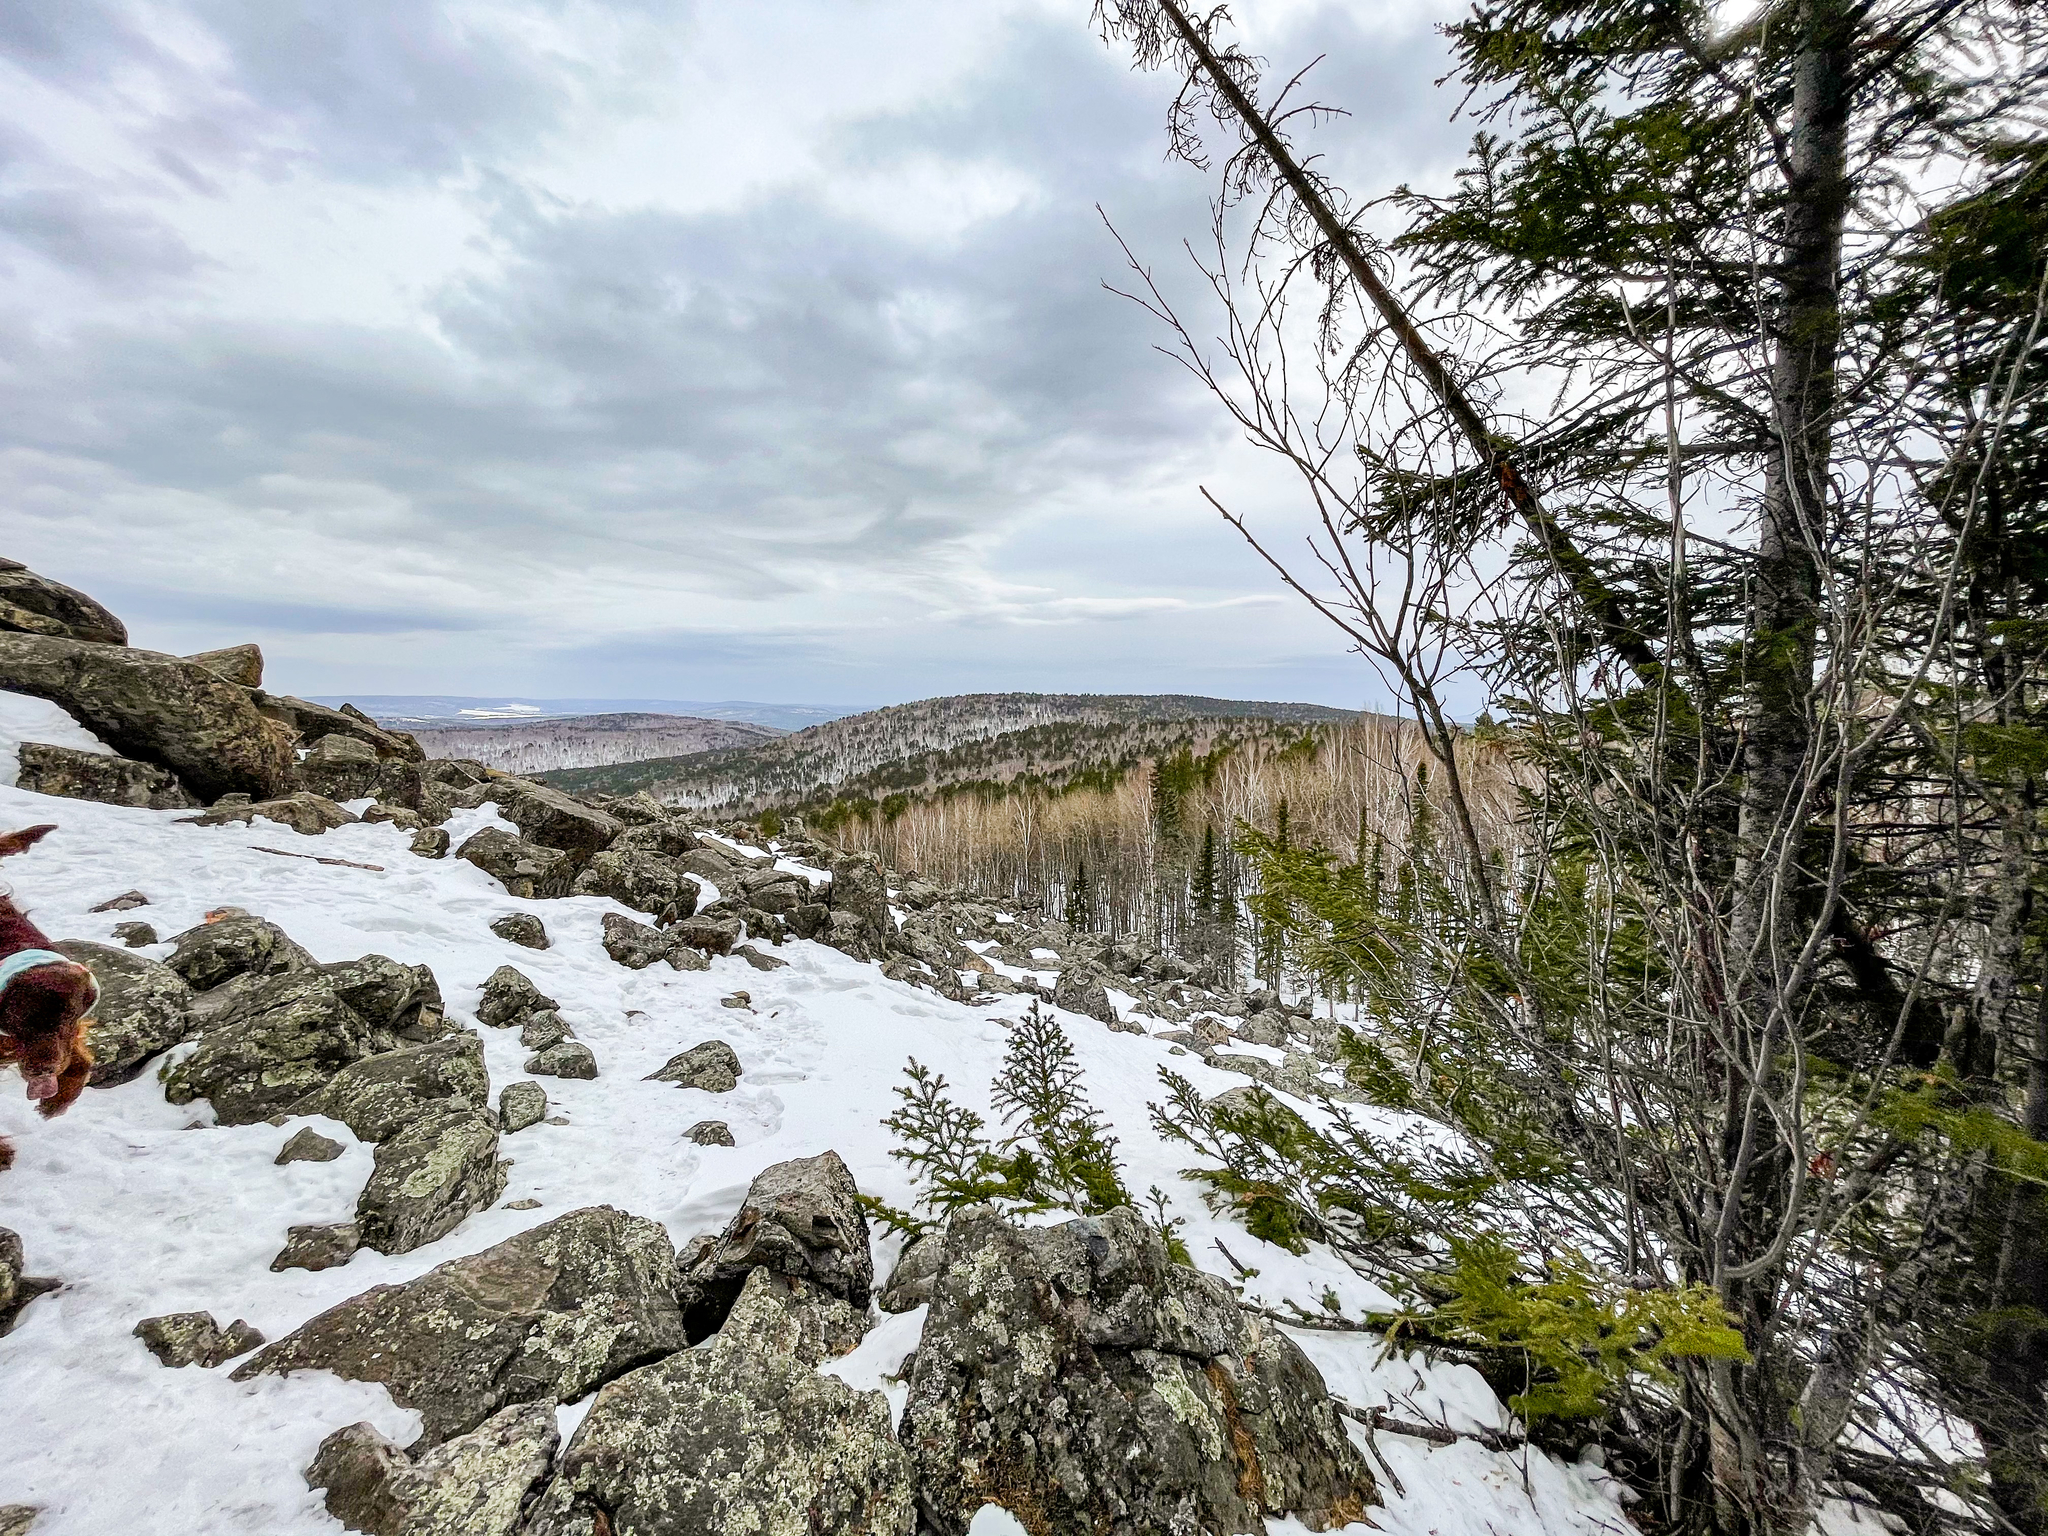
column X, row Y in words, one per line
column 520, row 746
column 1053, row 739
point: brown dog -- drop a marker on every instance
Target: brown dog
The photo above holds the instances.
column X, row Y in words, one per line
column 44, row 1011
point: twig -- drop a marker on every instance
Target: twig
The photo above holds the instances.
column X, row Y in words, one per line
column 344, row 863
column 1435, row 1434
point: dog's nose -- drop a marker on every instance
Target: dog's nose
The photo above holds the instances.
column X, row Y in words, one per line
column 44, row 1087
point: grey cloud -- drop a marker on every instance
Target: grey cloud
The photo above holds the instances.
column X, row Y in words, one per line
column 92, row 237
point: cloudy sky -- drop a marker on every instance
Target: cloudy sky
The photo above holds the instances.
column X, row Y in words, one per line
column 753, row 349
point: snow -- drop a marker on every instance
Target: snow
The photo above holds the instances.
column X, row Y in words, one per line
column 144, row 1208
column 25, row 719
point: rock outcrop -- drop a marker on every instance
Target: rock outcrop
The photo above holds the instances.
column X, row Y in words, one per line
column 77, row 775
column 543, row 1317
column 801, row 1220
column 156, row 709
column 741, row 1434
column 232, row 944
column 36, row 605
column 286, row 1036
column 1076, row 1376
column 478, row 1484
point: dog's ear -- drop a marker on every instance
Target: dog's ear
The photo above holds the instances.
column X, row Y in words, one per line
column 20, row 842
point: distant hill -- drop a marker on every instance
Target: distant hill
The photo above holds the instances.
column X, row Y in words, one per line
column 1053, row 738
column 411, row 711
column 528, row 745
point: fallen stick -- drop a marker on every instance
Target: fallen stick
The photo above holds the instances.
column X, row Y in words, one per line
column 1435, row 1434
column 344, row 863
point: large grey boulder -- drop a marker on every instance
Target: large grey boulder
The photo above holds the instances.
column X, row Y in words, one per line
column 402, row 1000
column 144, row 1008
column 802, row 1220
column 523, row 929
column 432, row 1173
column 157, row 709
column 478, row 1484
column 542, row 1317
column 1074, row 1371
column 36, row 605
column 545, row 815
column 309, row 722
column 634, row 945
column 521, row 1105
column 1082, row 991
column 77, row 775
column 380, row 1095
column 861, row 923
column 344, row 768
column 509, row 997
column 241, row 664
column 741, row 1434
column 642, row 880
column 712, row 935
column 712, row 1066
column 525, row 869
column 231, row 945
column 286, row 1036
column 565, row 1058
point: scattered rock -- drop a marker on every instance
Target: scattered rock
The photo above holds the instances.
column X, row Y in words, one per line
column 543, row 1029
column 99, row 776
column 712, row 1066
column 380, row 1095
column 478, row 1484
column 525, row 869
column 521, row 928
column 683, row 958
column 801, row 1219
column 144, row 1008
column 1079, row 992
column 521, row 1105
column 741, row 1435
column 17, row 1519
column 318, row 1245
column 565, row 1058
column 528, row 1204
column 135, row 935
column 391, row 996
column 737, row 1000
column 36, row 605
column 310, row 722
column 307, row 1145
column 232, row 943
column 430, row 842
column 634, row 945
column 713, row 935
column 1075, row 1372
column 430, row 1175
column 127, row 901
column 509, row 997
column 710, row 1133
column 304, row 812
column 639, row 809
column 241, row 664
column 760, row 961
column 18, row 1289
column 284, row 1037
column 544, row 1316
column 194, row 1338
column 397, row 815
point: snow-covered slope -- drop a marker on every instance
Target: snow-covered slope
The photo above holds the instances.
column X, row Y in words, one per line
column 144, row 1208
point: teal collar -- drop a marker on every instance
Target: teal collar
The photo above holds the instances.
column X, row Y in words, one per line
column 31, row 959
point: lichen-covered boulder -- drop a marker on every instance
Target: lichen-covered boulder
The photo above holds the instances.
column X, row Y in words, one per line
column 304, row 812
column 712, row 935
column 545, row 815
column 1077, row 1374
column 741, row 1434
column 565, row 1058
column 543, row 1317
column 144, row 1008
column 431, row 1174
column 394, row 997
column 523, row 929
column 478, row 1484
column 861, row 923
column 712, row 1066
column 1081, row 990
column 230, row 945
column 194, row 1338
column 318, row 1245
column 802, row 1220
column 382, row 1094
column 525, row 869
column 286, row 1036
column 521, row 1105
column 32, row 604
column 99, row 776
column 241, row 664
column 634, row 945
column 640, row 879
column 509, row 997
